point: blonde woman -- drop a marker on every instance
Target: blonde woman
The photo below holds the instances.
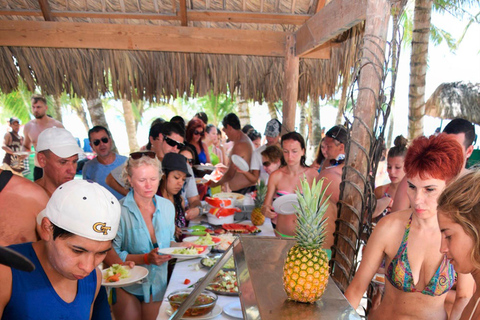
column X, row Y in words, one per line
column 459, row 221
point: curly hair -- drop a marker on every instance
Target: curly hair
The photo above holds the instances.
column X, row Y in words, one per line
column 135, row 163
column 460, row 202
column 192, row 126
column 438, row 157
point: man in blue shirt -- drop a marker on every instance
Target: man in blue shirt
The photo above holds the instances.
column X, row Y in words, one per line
column 98, row 168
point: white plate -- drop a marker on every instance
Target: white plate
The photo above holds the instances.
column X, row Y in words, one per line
column 212, row 314
column 202, row 167
column 379, row 278
column 136, row 274
column 181, row 256
column 21, row 153
column 234, row 309
column 284, row 204
column 240, row 162
column 192, row 239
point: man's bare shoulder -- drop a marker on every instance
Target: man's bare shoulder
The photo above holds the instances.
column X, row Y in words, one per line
column 55, row 123
column 19, row 185
column 331, row 173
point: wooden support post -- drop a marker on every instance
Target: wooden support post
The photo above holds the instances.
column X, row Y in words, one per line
column 290, row 85
column 356, row 169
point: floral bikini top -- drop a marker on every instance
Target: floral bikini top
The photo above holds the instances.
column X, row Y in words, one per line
column 399, row 273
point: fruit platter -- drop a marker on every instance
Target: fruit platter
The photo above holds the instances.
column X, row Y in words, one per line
column 240, row 228
column 210, row 260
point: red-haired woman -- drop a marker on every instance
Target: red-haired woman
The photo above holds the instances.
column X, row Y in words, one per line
column 417, row 274
column 194, row 134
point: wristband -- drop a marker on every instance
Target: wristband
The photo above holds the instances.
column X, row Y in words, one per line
column 145, row 258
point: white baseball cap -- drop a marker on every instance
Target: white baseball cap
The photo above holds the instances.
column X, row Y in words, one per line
column 84, row 208
column 59, row 141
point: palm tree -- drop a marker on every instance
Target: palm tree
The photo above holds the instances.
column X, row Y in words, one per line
column 422, row 31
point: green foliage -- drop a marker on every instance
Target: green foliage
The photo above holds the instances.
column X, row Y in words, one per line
column 216, row 106
column 17, row 103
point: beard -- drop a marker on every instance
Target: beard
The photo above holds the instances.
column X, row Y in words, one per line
column 39, row 116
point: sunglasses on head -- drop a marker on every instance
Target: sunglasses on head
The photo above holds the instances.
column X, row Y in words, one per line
column 335, row 162
column 173, row 143
column 137, row 155
column 97, row 141
column 197, row 133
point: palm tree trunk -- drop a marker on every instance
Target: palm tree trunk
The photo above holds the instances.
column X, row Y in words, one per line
column 272, row 110
column 81, row 114
column 418, row 67
column 316, row 125
column 97, row 114
column 130, row 125
column 58, row 108
column 343, row 99
column 243, row 111
column 303, row 118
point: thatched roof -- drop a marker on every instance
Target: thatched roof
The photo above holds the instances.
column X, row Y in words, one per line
column 455, row 100
column 150, row 75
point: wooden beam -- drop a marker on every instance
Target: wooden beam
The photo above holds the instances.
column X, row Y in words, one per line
column 45, row 7
column 141, row 37
column 193, row 15
column 290, row 85
column 320, row 5
column 183, row 13
column 322, row 52
column 335, row 18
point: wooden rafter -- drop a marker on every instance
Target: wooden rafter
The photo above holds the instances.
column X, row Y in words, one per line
column 183, row 13
column 335, row 18
column 193, row 15
column 46, row 12
column 320, row 5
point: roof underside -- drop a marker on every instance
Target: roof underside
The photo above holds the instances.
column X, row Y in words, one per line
column 152, row 74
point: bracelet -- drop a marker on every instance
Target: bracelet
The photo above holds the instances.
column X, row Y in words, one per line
column 145, row 258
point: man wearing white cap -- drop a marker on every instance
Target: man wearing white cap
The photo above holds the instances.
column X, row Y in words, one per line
column 57, row 154
column 76, row 230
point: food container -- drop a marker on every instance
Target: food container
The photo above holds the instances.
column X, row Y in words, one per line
column 212, row 219
column 204, row 303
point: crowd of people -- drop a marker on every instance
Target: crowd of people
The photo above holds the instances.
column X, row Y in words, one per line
column 426, row 239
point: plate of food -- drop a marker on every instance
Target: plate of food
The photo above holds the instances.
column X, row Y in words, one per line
column 184, row 252
column 21, row 153
column 238, row 197
column 204, row 307
column 200, row 180
column 225, row 241
column 286, row 204
column 212, row 314
column 122, row 276
column 210, row 260
column 224, row 283
column 241, row 228
column 206, row 240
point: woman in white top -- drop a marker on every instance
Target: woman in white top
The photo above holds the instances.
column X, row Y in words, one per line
column 459, row 221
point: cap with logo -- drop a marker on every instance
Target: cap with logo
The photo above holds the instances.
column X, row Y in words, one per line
column 84, row 208
column 338, row 133
column 175, row 161
column 58, row 140
column 273, row 128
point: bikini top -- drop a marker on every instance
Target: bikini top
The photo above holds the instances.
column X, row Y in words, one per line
column 399, row 273
column 280, row 193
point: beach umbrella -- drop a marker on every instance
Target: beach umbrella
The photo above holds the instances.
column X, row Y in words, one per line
column 455, row 100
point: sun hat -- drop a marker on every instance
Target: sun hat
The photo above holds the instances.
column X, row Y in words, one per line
column 175, row 161
column 59, row 141
column 84, row 208
column 273, row 128
column 338, row 133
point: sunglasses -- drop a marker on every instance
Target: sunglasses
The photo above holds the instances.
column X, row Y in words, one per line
column 173, row 143
column 190, row 161
column 198, row 133
column 266, row 163
column 137, row 155
column 96, row 142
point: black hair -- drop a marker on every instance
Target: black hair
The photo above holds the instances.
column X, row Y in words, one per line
column 60, row 233
column 38, row 97
column 209, row 127
column 254, row 134
column 459, row 125
column 202, row 116
column 231, row 120
column 246, row 128
column 98, row 129
column 187, row 148
column 400, row 148
column 171, row 127
column 295, row 136
column 178, row 120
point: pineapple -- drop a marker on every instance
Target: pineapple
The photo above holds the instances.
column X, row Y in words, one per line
column 257, row 216
column 306, row 271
